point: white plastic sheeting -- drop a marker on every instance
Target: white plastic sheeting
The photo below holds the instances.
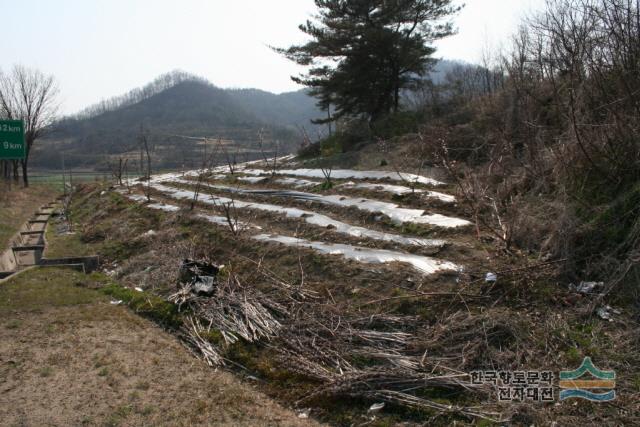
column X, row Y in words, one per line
column 297, row 183
column 170, row 176
column 397, row 214
column 399, row 190
column 308, row 216
column 215, row 219
column 220, row 220
column 158, row 206
column 423, row 264
column 164, row 207
column 349, row 174
column 134, row 197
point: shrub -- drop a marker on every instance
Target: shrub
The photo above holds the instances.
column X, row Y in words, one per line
column 396, row 124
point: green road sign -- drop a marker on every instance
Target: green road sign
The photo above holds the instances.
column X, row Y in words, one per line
column 12, row 145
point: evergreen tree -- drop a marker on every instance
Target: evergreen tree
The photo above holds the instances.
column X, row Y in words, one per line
column 363, row 53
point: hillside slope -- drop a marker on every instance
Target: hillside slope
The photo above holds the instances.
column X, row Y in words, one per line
column 289, row 108
column 178, row 104
column 192, row 108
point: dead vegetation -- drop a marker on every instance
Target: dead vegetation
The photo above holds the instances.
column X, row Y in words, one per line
column 322, row 341
column 355, row 358
column 119, row 170
column 270, row 163
column 541, row 141
column 316, row 331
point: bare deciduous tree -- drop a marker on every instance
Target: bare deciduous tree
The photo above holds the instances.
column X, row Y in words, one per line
column 118, row 169
column 144, row 145
column 207, row 163
column 272, row 165
column 414, row 160
column 29, row 95
column 326, row 171
column 231, row 214
column 230, row 158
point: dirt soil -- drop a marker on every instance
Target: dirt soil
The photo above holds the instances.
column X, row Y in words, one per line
column 70, row 357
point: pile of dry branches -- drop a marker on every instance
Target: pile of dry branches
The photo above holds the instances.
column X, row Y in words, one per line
column 192, row 334
column 374, row 357
column 377, row 357
column 236, row 310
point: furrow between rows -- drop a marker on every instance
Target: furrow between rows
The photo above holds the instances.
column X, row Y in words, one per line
column 397, row 214
column 309, row 217
column 423, row 264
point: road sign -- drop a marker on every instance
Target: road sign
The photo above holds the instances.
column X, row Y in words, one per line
column 12, row 145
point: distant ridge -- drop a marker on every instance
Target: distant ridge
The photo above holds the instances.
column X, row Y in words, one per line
column 159, row 84
column 178, row 103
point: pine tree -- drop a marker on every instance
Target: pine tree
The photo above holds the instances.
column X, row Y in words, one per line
column 363, row 53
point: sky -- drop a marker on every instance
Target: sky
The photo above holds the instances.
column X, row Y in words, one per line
column 97, row 49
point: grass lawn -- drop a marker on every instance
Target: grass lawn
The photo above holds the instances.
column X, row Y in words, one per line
column 46, row 287
column 65, row 245
column 57, row 180
column 70, row 357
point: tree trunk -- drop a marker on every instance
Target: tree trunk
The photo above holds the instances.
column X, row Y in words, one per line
column 396, row 98
column 16, row 175
column 25, row 176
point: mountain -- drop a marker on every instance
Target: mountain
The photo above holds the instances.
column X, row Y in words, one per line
column 293, row 108
column 174, row 112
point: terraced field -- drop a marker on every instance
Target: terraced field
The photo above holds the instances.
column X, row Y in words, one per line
column 376, row 238
column 340, row 291
column 362, row 221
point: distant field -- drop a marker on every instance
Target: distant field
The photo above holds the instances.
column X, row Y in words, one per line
column 57, row 179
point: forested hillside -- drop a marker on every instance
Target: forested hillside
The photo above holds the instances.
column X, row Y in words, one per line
column 177, row 107
column 172, row 111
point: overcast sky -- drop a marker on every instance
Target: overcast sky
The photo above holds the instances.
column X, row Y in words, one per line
column 102, row 48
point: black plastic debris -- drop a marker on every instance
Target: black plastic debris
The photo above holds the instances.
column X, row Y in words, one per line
column 200, row 275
